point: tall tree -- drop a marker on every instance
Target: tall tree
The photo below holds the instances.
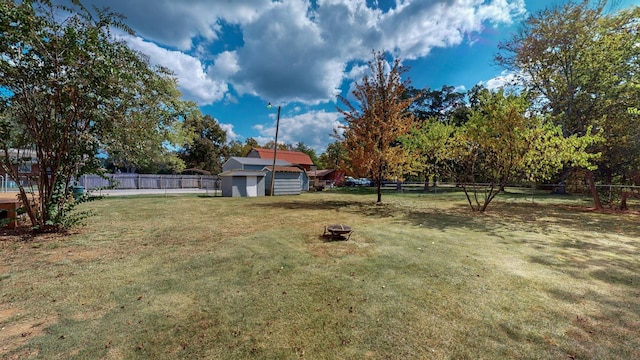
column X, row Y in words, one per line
column 375, row 123
column 237, row 148
column 209, row 149
column 334, row 157
column 582, row 64
column 440, row 104
column 502, row 143
column 70, row 89
column 300, row 146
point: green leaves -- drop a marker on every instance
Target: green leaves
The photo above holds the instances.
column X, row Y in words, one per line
column 502, row 143
column 582, row 64
column 72, row 89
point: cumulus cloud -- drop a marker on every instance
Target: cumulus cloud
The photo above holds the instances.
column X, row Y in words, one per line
column 231, row 135
column 505, row 79
column 296, row 51
column 179, row 24
column 191, row 74
column 312, row 128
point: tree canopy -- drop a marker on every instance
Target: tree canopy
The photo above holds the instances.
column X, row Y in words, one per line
column 70, row 90
column 375, row 123
column 209, row 149
column 581, row 64
column 502, row 143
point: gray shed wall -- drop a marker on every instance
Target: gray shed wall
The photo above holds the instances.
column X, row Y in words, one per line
column 287, row 183
column 231, row 164
column 236, row 186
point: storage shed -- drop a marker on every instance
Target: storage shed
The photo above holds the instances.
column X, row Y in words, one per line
column 243, row 183
column 290, row 180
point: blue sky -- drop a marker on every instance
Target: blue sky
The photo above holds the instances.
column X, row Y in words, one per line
column 233, row 57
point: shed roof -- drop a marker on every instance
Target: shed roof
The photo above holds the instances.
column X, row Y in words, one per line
column 239, row 173
column 294, row 157
column 291, row 169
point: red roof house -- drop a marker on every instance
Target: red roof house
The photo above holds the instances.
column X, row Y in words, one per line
column 294, row 157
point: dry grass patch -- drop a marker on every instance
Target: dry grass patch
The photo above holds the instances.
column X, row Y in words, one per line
column 421, row 277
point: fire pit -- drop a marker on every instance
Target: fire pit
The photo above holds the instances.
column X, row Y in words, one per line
column 338, row 230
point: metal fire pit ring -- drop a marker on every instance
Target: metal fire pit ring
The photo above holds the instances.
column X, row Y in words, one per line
column 338, row 230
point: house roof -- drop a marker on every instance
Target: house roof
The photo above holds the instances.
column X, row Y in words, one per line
column 294, row 157
column 291, row 169
column 320, row 173
column 258, row 161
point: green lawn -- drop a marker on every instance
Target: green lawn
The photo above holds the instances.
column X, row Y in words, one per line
column 420, row 278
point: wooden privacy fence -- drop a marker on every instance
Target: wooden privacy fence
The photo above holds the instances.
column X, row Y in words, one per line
column 150, row 181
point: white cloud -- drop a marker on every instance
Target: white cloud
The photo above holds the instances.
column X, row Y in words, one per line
column 312, row 128
column 192, row 78
column 295, row 52
column 460, row 88
column 179, row 24
column 505, row 79
column 231, row 135
column 225, row 65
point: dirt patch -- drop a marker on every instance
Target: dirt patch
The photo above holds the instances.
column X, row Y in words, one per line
column 16, row 331
column 73, row 255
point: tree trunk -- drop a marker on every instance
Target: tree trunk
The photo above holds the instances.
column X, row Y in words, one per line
column 426, row 182
column 594, row 192
column 623, row 201
column 379, row 184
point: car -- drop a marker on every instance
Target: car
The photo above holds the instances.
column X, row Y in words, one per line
column 349, row 181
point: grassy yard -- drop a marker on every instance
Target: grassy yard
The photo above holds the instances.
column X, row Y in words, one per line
column 234, row 278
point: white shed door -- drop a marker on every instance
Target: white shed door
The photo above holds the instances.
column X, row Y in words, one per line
column 252, row 186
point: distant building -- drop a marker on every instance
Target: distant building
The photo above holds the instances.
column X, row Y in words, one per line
column 320, row 179
column 26, row 163
column 246, row 176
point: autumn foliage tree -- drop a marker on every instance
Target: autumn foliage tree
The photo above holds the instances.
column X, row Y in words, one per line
column 377, row 120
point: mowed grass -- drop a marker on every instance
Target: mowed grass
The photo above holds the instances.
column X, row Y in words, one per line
column 234, row 278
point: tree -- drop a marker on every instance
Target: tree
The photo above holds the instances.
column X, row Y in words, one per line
column 209, row 149
column 423, row 143
column 431, row 107
column 502, row 143
column 372, row 129
column 70, row 90
column 334, row 157
column 301, row 147
column 582, row 65
column 443, row 104
column 236, row 148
